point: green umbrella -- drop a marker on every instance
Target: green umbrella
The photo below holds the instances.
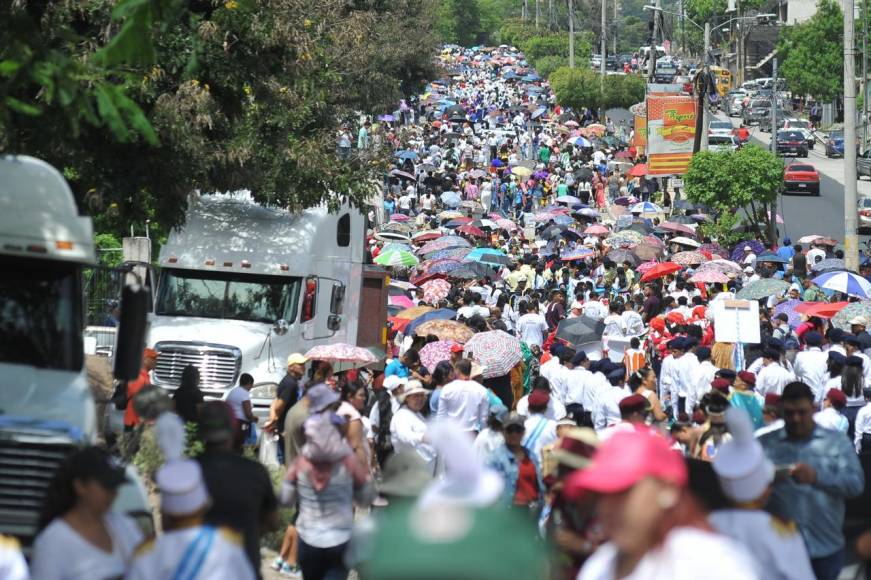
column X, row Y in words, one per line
column 850, row 311
column 396, row 258
column 762, row 289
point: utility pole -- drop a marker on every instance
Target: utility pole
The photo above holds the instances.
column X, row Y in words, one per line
column 551, row 15
column 537, row 12
column 614, row 27
column 571, row 34
column 772, row 216
column 864, row 75
column 851, row 237
column 651, row 59
column 524, row 10
column 706, row 121
column 739, row 49
column 602, row 41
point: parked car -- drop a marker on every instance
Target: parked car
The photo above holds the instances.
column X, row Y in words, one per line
column 734, row 102
column 864, row 210
column 863, row 164
column 720, row 128
column 801, row 178
column 723, row 143
column 665, row 71
column 791, row 142
column 802, row 125
column 835, row 144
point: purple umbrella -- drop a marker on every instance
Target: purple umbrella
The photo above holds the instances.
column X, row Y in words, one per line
column 497, row 163
column 788, row 308
column 388, row 118
column 452, row 253
column 738, row 251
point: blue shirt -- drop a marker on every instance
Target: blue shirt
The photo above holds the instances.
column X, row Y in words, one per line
column 818, row 508
column 503, row 461
column 396, row 368
column 786, row 252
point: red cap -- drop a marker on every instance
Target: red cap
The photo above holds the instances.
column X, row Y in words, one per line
column 626, row 458
column 539, row 398
column 657, row 324
column 457, row 347
column 675, row 317
column 747, row 377
column 633, row 403
column 721, row 385
column 837, row 398
column 772, row 400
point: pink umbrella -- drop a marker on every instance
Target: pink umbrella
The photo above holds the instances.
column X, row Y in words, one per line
column 675, row 227
column 645, row 266
column 709, row 277
column 398, row 217
column 436, row 290
column 435, row 352
column 340, row 352
column 403, row 301
column 597, row 230
column 506, row 224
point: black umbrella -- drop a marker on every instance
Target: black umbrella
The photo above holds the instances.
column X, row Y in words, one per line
column 550, row 233
column 464, row 273
column 682, row 219
column 583, row 173
column 580, row 330
column 640, row 227
column 479, row 268
column 685, row 204
column 456, row 110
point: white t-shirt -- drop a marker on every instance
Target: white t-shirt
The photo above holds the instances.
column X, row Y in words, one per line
column 235, row 398
column 60, row 553
column 532, row 327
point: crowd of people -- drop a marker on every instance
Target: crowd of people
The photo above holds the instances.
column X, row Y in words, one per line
column 559, row 398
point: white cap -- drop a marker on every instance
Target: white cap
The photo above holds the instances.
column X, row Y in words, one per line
column 859, row 320
column 748, row 269
column 577, row 305
column 744, row 470
column 393, row 381
column 182, row 490
column 748, row 249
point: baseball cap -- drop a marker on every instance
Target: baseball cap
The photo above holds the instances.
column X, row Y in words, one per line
column 513, row 419
column 297, row 359
column 626, row 458
column 457, row 347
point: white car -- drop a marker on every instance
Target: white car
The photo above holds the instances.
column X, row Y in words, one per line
column 720, row 129
column 802, row 126
column 722, row 143
column 864, row 213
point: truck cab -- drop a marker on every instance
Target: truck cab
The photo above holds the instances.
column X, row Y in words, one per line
column 46, row 407
column 242, row 286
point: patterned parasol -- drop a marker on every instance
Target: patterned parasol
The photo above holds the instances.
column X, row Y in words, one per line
column 435, row 352
column 737, row 254
column 450, row 253
column 597, row 230
column 578, row 254
column 620, row 256
column 762, row 289
column 645, row 266
column 624, row 238
column 842, row 319
column 443, row 243
column 714, row 249
column 723, row 266
column 342, row 353
column 395, row 258
column 445, row 330
column 440, row 314
column 788, row 308
column 435, row 290
column 441, row 266
column 689, row 258
column 678, row 228
column 496, row 350
column 647, row 252
column 709, row 277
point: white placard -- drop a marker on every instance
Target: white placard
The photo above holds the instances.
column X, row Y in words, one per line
column 736, row 324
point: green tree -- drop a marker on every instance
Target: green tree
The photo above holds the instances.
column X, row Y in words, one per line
column 239, row 94
column 750, row 179
column 577, row 88
column 812, row 53
column 623, row 91
column 459, row 22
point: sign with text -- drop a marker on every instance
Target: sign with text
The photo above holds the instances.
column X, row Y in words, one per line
column 736, row 321
column 671, row 132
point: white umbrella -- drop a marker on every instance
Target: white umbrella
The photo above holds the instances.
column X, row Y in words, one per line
column 684, row 241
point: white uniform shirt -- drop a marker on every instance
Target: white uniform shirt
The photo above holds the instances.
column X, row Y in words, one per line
column 464, row 402
column 407, row 430
column 559, row 383
column 687, row 365
column 224, row 559
column 539, row 431
column 686, row 554
column 830, row 418
column 609, row 407
column 532, row 327
column 547, row 369
column 595, row 310
column 772, row 379
column 577, row 383
column 701, row 379
column 668, row 376
column 810, row 368
column 555, row 410
column 777, row 547
column 863, row 426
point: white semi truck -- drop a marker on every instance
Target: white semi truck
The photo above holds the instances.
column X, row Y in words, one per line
column 46, row 407
column 242, row 286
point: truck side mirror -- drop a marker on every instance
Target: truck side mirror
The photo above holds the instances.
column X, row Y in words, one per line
column 135, row 304
column 337, row 299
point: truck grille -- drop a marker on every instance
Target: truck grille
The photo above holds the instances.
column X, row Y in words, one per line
column 218, row 364
column 26, row 469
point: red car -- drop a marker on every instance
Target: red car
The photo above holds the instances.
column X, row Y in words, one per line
column 801, row 178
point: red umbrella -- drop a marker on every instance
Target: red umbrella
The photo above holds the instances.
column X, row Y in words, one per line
column 426, row 236
column 472, row 231
column 623, row 155
column 661, row 270
column 821, row 309
column 644, row 267
column 639, row 170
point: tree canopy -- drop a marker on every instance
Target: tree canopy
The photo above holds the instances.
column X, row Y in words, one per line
column 812, row 53
column 141, row 108
column 750, row 178
column 581, row 87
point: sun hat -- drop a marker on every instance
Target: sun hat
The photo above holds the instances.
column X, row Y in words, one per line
column 576, row 448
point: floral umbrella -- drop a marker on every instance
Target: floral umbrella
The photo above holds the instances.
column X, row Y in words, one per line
column 471, row 230
column 709, row 277
column 506, row 224
column 762, row 289
column 724, row 266
column 620, row 256
column 842, row 319
column 440, row 314
column 450, row 254
column 714, row 249
column 689, row 258
column 443, row 243
column 340, row 352
column 578, row 254
column 496, row 350
column 597, row 230
column 435, row 352
column 395, row 258
column 653, row 241
column 624, row 238
column 426, row 236
column 396, row 227
column 436, row 290
column 442, row 266
column 445, row 330
column 450, row 215
column 788, row 308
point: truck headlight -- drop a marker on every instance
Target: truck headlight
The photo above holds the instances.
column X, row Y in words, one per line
column 264, row 391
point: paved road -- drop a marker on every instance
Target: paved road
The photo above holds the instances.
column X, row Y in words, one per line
column 823, row 215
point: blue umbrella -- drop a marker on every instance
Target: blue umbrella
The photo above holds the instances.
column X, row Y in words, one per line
column 396, row 246
column 538, row 112
column 440, row 314
column 487, row 256
column 771, row 257
column 406, row 154
column 497, row 163
column 452, row 253
column 563, row 220
column 845, row 282
column 580, row 142
column 451, row 198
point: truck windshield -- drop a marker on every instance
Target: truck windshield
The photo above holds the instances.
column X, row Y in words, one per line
column 41, row 314
column 256, row 298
